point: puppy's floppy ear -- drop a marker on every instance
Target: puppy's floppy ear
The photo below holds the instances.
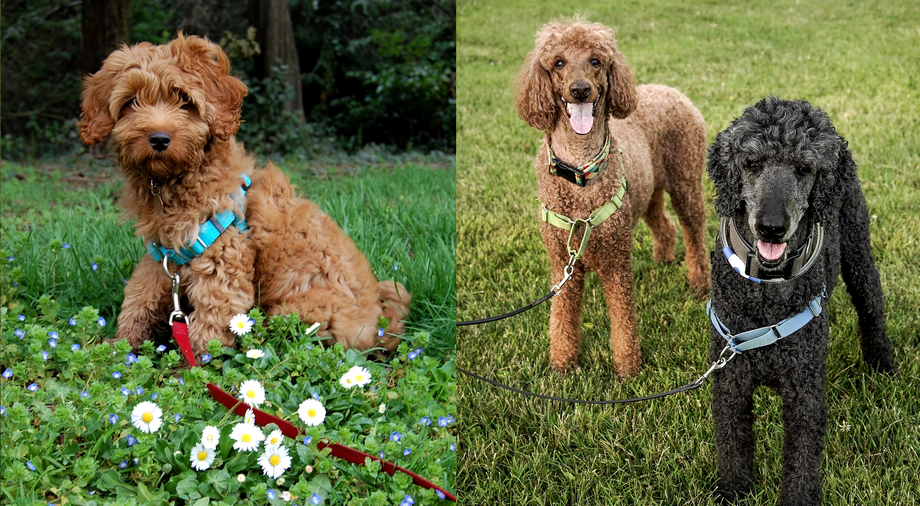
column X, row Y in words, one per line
column 724, row 176
column 226, row 94
column 96, row 119
column 621, row 87
column 535, row 102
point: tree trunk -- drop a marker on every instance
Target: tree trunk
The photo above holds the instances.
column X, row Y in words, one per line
column 275, row 35
column 106, row 25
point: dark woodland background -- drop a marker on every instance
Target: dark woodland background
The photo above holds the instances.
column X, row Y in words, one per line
column 322, row 74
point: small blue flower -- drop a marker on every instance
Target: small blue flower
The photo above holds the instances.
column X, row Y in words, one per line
column 2, row 410
column 52, row 342
column 101, row 321
column 10, row 259
column 74, row 347
column 440, row 494
column 53, row 335
column 113, row 418
column 19, row 333
column 116, row 375
column 381, row 454
column 181, row 381
column 271, row 494
column 407, row 501
column 130, row 359
column 131, row 440
column 30, row 465
column 450, row 419
column 425, row 421
column 206, row 358
column 123, row 464
column 154, row 396
column 177, row 417
column 44, row 355
column 21, row 317
column 125, row 391
column 316, row 499
column 412, row 355
column 94, row 266
column 124, row 281
column 442, row 421
column 161, row 348
column 139, row 391
column 84, row 394
column 395, row 436
column 15, row 284
column 65, row 246
column 307, row 439
column 395, row 267
column 407, row 452
column 453, row 447
column 33, row 387
column 380, row 333
column 72, row 321
column 136, row 461
column 315, row 395
column 8, row 373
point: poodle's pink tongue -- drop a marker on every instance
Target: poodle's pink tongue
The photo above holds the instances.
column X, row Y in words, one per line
column 771, row 251
column 581, row 116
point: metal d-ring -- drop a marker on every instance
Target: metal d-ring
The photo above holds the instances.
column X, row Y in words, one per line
column 721, row 362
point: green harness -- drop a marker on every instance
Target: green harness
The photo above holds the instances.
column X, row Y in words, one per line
column 595, row 219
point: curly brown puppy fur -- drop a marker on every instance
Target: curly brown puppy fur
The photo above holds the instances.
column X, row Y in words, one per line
column 172, row 112
column 574, row 75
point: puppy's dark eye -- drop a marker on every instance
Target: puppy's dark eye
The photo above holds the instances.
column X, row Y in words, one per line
column 559, row 64
column 185, row 103
column 128, row 105
column 804, row 170
column 595, row 62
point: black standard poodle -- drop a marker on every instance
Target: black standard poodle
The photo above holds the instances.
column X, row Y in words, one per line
column 793, row 216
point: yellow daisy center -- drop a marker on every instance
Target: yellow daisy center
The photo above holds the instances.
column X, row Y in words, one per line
column 251, row 394
column 241, row 324
column 359, row 377
column 311, row 413
column 274, row 460
column 246, row 438
column 147, row 417
column 202, row 456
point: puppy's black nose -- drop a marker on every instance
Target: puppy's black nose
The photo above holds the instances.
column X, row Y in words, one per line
column 771, row 228
column 159, row 141
column 580, row 90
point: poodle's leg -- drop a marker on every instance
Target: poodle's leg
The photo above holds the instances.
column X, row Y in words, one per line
column 663, row 230
column 862, row 279
column 147, row 302
column 565, row 318
column 219, row 287
column 804, row 426
column 733, row 413
column 687, row 199
column 617, row 281
column 394, row 302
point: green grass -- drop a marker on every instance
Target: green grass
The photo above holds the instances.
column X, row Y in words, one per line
column 858, row 62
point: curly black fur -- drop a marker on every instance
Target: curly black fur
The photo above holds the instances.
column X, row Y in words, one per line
column 795, row 142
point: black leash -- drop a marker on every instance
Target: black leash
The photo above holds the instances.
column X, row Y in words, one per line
column 532, row 305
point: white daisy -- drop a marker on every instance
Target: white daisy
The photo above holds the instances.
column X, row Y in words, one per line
column 286, row 496
column 252, row 393
column 347, row 380
column 255, row 353
column 311, row 412
column 202, row 457
column 210, row 436
column 240, row 324
column 249, row 417
column 360, row 375
column 275, row 461
column 247, row 437
column 274, row 439
column 147, row 417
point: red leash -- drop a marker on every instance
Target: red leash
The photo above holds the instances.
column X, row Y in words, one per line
column 180, row 335
column 338, row 450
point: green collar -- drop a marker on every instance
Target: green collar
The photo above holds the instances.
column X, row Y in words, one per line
column 579, row 175
column 595, row 219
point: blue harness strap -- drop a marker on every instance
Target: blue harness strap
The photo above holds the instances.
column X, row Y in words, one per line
column 208, row 232
column 765, row 336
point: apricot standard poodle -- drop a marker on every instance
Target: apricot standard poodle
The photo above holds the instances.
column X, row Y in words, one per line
column 601, row 131
column 173, row 111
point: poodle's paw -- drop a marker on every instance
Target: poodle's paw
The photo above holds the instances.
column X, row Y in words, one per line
column 699, row 287
column 883, row 364
column 562, row 362
column 628, row 369
column 663, row 251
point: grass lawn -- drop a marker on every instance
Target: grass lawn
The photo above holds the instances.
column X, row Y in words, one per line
column 66, row 397
column 858, row 62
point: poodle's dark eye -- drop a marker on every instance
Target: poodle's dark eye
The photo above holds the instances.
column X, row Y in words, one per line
column 595, row 62
column 559, row 64
column 128, row 105
column 185, row 102
column 804, row 170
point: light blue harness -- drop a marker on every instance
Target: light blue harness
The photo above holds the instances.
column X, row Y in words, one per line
column 765, row 336
column 208, row 232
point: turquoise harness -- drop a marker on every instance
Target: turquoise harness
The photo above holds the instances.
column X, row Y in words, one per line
column 208, row 232
column 765, row 336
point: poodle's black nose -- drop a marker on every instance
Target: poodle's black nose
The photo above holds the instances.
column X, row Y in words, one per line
column 771, row 227
column 159, row 141
column 580, row 90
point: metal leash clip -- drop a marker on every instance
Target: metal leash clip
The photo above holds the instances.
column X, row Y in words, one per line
column 721, row 362
column 177, row 309
column 566, row 274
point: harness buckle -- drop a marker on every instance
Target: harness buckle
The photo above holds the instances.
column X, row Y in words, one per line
column 776, row 331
